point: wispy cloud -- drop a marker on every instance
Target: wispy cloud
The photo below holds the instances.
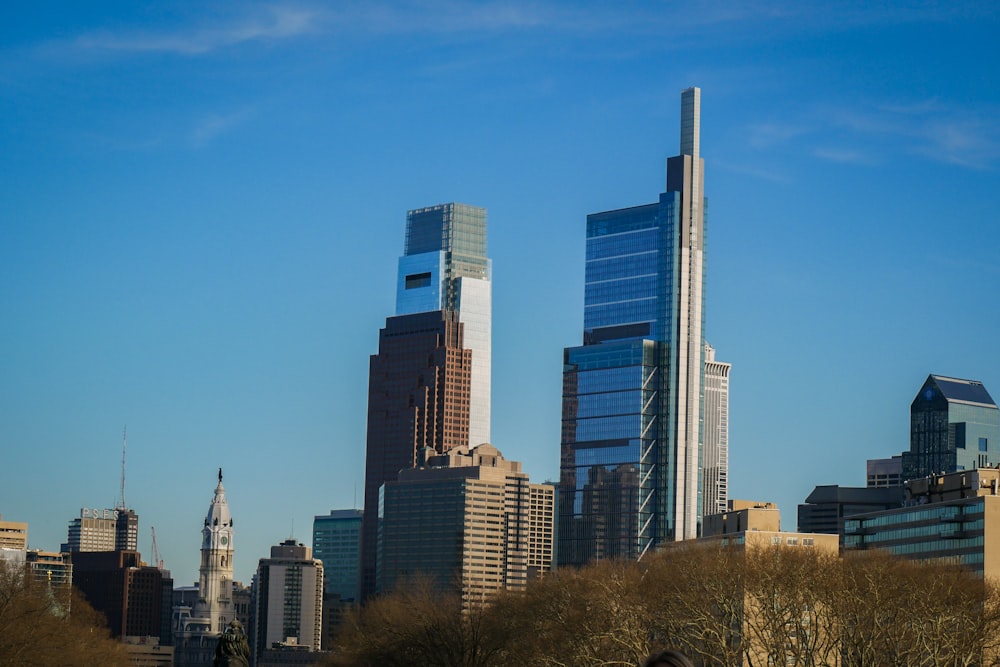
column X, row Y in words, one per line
column 271, row 23
column 212, row 125
column 276, row 22
column 931, row 129
column 954, row 134
column 844, row 155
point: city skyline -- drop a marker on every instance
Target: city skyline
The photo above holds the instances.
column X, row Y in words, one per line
column 202, row 210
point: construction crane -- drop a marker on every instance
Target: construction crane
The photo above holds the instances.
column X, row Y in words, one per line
column 156, row 552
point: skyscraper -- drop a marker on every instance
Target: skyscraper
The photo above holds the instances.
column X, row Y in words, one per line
column 429, row 384
column 630, row 473
column 445, row 267
column 954, row 425
column 715, row 450
column 418, row 396
column 103, row 530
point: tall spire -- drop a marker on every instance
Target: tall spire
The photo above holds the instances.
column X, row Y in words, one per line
column 121, row 498
column 691, row 122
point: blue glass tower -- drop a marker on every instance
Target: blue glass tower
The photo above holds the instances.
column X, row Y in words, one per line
column 633, row 392
column 954, row 425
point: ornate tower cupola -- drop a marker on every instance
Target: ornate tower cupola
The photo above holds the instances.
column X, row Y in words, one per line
column 215, row 586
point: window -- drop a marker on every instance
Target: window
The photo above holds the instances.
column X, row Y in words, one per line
column 792, row 541
column 982, row 444
column 415, row 280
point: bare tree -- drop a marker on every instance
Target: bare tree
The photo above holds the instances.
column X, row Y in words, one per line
column 417, row 625
column 695, row 595
column 41, row 625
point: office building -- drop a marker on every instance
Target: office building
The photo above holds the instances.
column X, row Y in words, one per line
column 120, row 586
column 13, row 540
column 445, row 267
column 882, row 473
column 288, row 600
column 337, row 543
column 715, row 450
column 51, row 567
column 827, row 506
column 468, row 518
column 103, row 530
column 630, row 474
column 196, row 630
column 954, row 425
column 953, row 517
column 420, row 384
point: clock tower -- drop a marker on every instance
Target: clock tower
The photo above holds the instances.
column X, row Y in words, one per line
column 215, row 581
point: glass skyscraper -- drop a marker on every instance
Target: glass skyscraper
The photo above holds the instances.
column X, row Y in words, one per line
column 954, row 425
column 633, row 392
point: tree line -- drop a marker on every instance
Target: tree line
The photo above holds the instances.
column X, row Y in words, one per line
column 722, row 606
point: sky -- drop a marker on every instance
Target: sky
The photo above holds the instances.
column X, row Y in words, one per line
column 202, row 205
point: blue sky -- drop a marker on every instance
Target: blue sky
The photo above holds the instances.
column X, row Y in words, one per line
column 202, row 205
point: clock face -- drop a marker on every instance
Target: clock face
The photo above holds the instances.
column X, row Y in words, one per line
column 224, row 540
column 929, row 394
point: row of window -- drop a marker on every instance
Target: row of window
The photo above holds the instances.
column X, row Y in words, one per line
column 637, row 287
column 915, row 515
column 625, row 266
column 638, row 241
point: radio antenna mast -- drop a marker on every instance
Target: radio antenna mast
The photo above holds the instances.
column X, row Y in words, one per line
column 121, row 500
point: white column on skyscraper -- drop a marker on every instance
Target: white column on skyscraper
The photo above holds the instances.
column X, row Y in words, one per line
column 475, row 312
column 684, row 175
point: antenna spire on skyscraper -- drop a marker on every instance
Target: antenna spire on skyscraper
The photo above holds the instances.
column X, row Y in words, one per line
column 121, row 499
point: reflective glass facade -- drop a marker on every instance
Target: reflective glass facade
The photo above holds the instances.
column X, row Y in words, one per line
column 631, row 267
column 955, row 531
column 954, row 425
column 457, row 230
column 337, row 543
column 633, row 392
column 418, row 283
column 611, row 432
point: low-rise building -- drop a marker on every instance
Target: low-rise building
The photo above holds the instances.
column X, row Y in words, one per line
column 751, row 523
column 827, row 506
column 954, row 517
